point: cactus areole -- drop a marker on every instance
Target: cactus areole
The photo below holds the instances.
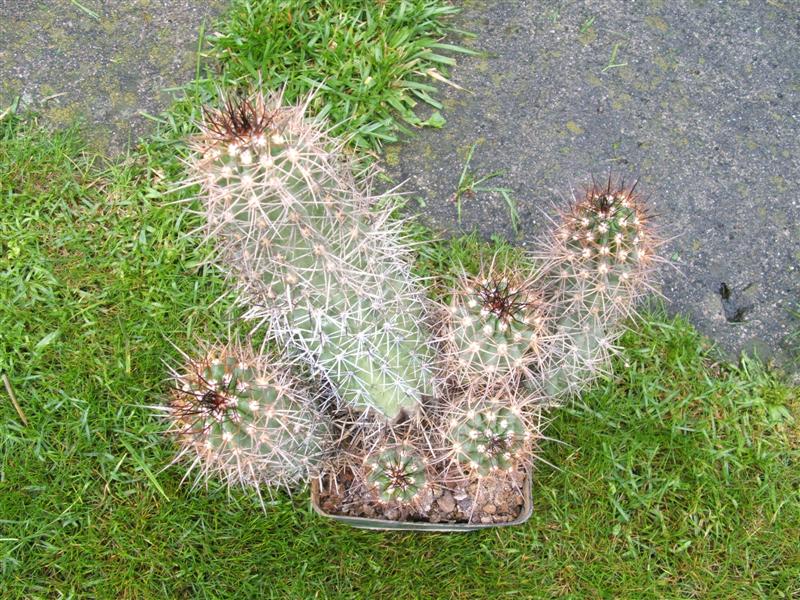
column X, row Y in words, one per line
column 314, row 259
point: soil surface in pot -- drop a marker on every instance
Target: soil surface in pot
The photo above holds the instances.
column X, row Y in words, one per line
column 490, row 500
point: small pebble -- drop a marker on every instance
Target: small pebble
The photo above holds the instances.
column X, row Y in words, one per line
column 489, row 509
column 486, row 520
column 446, row 503
column 465, row 505
column 426, row 498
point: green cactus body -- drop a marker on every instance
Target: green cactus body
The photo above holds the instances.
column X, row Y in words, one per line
column 248, row 420
column 313, row 258
column 396, row 474
column 584, row 348
column 602, row 258
column 604, row 254
column 489, row 438
column 495, row 326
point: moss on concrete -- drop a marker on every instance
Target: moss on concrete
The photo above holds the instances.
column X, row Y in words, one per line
column 72, row 67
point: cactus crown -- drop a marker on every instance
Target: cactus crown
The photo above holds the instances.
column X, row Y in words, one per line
column 239, row 120
column 605, row 250
column 247, row 418
column 502, row 299
column 490, row 437
column 211, row 391
column 396, row 473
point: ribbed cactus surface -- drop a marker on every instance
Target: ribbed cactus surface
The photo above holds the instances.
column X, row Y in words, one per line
column 496, row 325
column 488, row 430
column 602, row 257
column 313, row 255
column 396, row 473
column 603, row 253
column 247, row 419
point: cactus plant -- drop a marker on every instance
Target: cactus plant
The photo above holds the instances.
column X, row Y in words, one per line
column 602, row 257
column 489, row 430
column 313, row 256
column 496, row 325
column 319, row 260
column 603, row 253
column 396, row 473
column 247, row 418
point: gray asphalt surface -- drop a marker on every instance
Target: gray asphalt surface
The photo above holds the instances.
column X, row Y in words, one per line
column 102, row 61
column 700, row 100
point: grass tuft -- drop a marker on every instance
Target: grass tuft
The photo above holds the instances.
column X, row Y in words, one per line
column 370, row 64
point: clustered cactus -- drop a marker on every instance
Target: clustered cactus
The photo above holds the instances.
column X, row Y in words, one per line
column 359, row 356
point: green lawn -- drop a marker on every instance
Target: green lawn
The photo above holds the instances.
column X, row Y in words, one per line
column 679, row 477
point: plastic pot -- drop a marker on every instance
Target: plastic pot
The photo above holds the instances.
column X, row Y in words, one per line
column 387, row 525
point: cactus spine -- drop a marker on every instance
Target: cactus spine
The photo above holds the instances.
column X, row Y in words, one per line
column 312, row 255
column 489, row 431
column 496, row 326
column 247, row 419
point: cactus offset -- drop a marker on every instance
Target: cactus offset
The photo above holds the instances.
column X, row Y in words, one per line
column 496, row 326
column 490, row 430
column 604, row 253
column 602, row 257
column 396, row 473
column 247, row 419
column 313, row 258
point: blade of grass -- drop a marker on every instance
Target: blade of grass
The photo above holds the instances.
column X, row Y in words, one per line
column 143, row 466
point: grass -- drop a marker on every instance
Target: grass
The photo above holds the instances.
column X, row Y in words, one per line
column 677, row 478
column 370, row 63
column 470, row 184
